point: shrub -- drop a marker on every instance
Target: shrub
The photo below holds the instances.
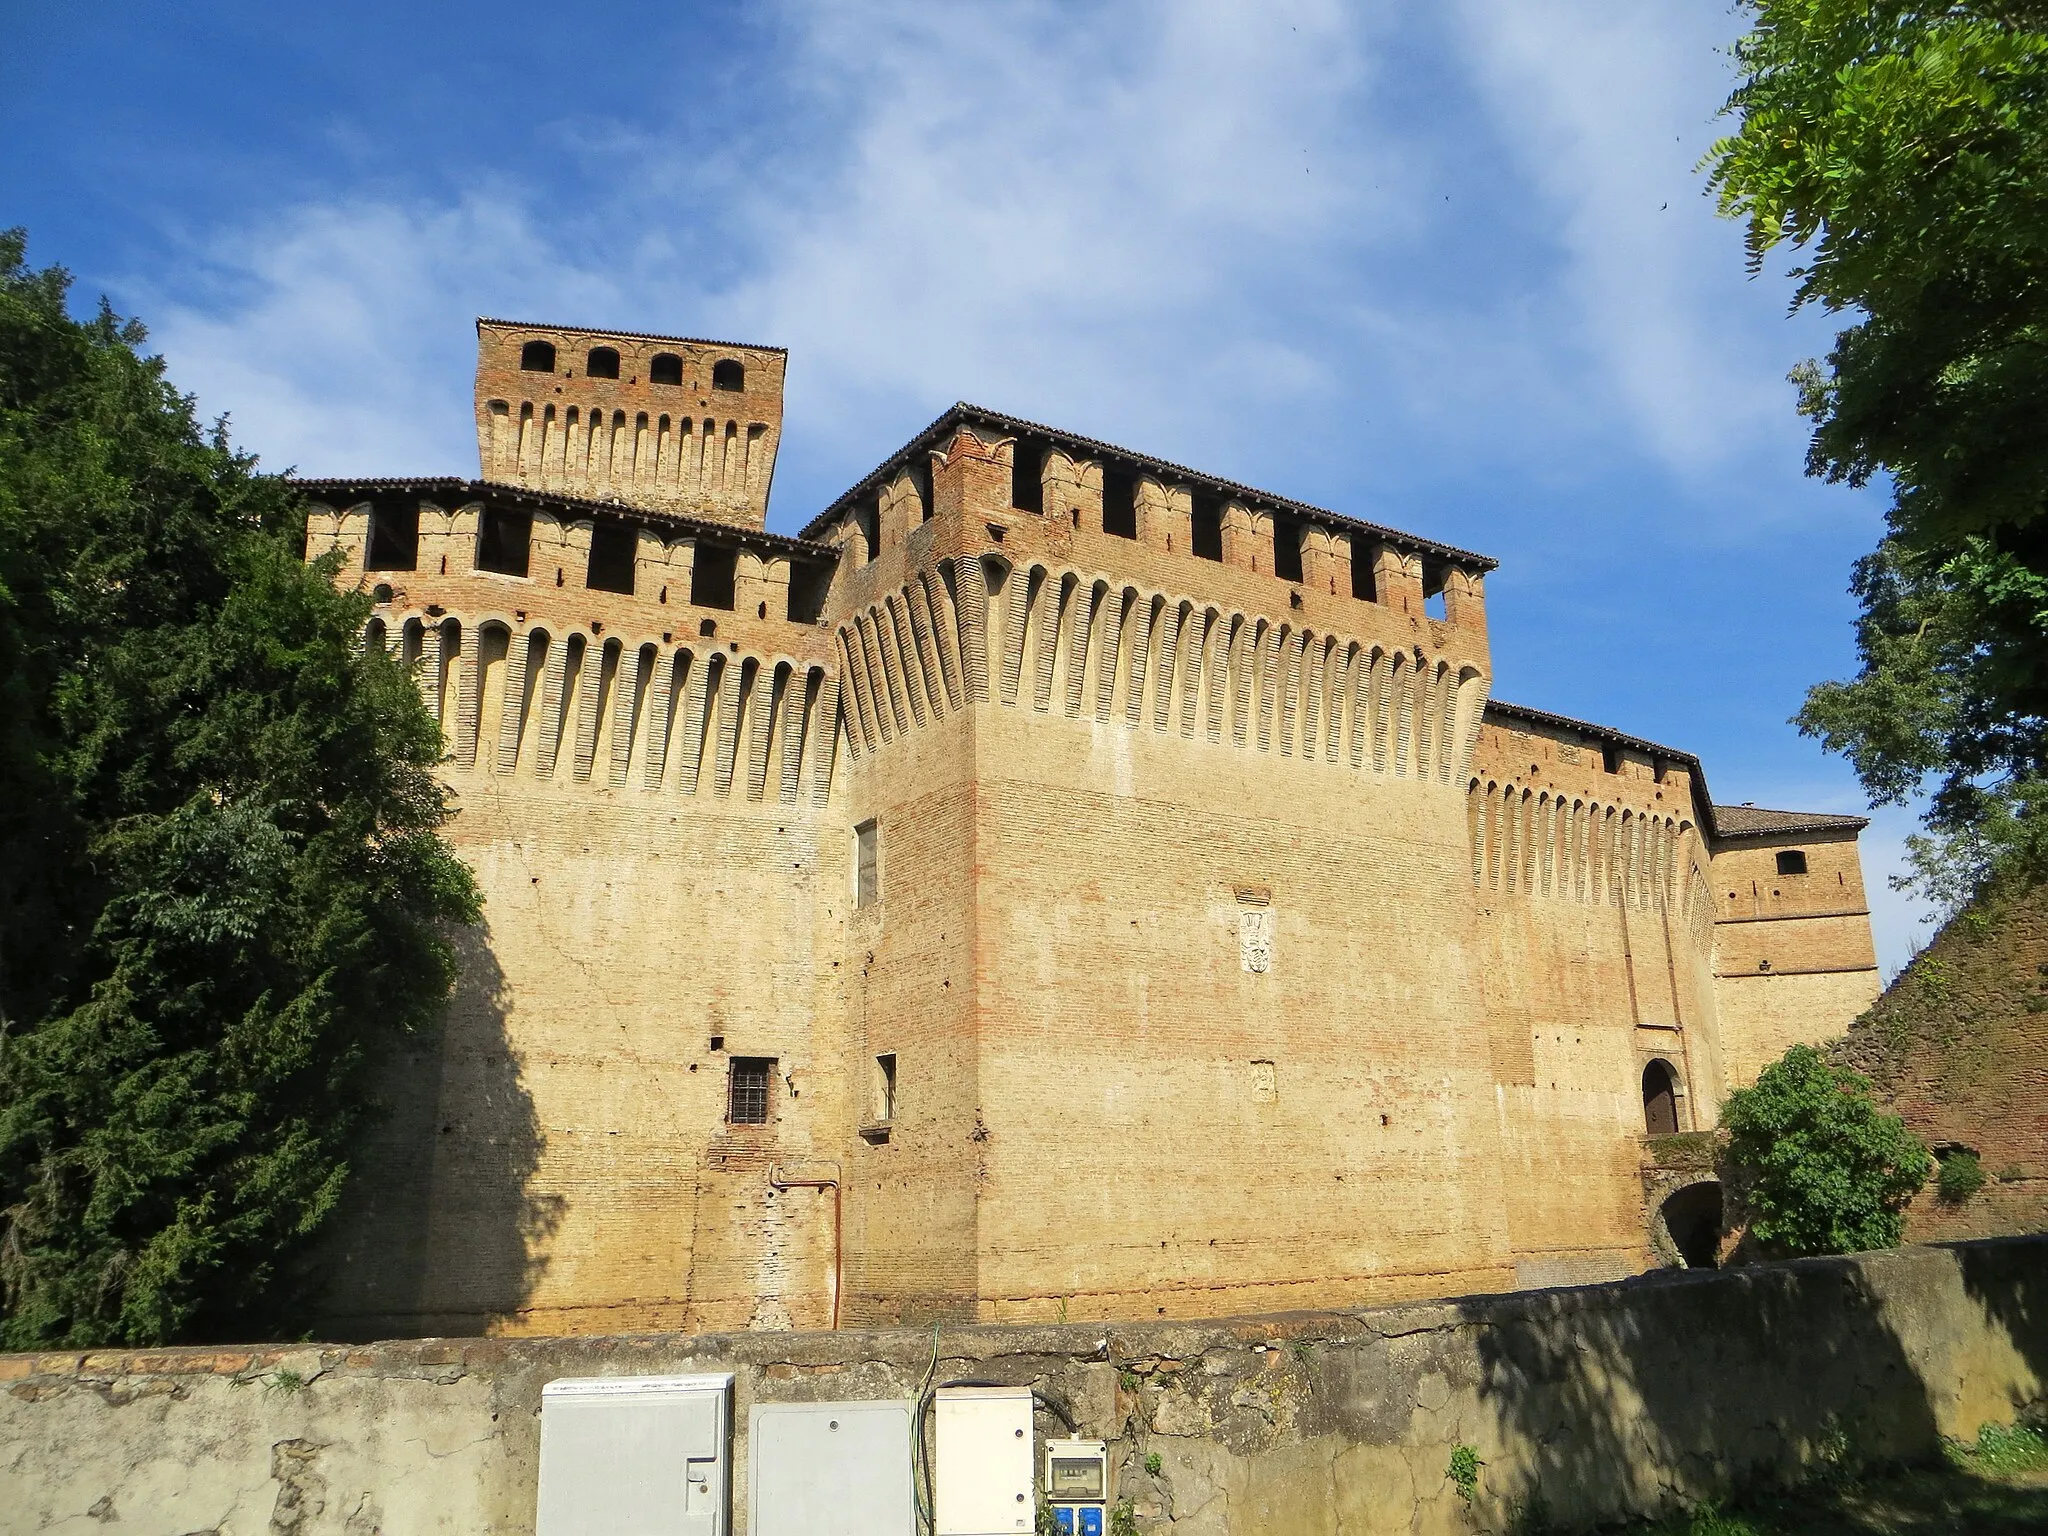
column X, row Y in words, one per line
column 1821, row 1168
column 1961, row 1176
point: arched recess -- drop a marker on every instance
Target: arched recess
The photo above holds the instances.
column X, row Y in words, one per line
column 1693, row 1217
column 1660, row 1098
column 526, row 665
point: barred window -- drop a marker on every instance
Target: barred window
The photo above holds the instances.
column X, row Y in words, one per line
column 747, row 1097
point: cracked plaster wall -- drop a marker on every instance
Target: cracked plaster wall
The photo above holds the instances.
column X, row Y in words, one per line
column 1599, row 1401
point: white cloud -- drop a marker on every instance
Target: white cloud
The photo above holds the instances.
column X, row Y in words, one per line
column 1085, row 213
column 1195, row 225
column 337, row 333
column 1608, row 110
column 1066, row 211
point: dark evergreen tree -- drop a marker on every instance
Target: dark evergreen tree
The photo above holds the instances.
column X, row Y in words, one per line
column 222, row 885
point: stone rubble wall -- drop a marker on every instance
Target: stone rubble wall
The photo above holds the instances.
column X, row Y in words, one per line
column 1597, row 1401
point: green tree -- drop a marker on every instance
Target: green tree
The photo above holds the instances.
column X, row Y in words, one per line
column 1821, row 1168
column 1904, row 148
column 221, row 880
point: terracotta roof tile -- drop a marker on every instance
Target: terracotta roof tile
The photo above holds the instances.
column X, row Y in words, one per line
column 1754, row 821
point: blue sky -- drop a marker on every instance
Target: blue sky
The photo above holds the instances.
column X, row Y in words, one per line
column 1446, row 267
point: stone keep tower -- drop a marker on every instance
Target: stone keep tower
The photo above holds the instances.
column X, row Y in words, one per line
column 666, row 423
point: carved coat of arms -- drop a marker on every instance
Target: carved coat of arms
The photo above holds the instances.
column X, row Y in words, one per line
column 1255, row 938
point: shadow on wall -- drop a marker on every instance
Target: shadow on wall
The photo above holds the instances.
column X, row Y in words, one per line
column 1676, row 1388
column 439, row 1231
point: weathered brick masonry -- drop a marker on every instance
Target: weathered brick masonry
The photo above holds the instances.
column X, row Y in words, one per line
column 1116, row 881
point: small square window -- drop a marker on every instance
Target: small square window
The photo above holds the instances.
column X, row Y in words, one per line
column 1791, row 861
column 867, row 884
column 747, row 1091
column 885, row 1087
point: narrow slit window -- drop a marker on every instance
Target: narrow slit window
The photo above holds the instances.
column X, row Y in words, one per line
column 1120, row 503
column 1027, row 469
column 867, row 881
column 1362, row 585
column 885, row 1087
column 1436, row 575
column 394, row 536
column 713, row 576
column 612, row 548
column 1208, row 527
column 1286, row 549
column 808, row 586
column 1791, row 861
column 747, row 1091
column 504, row 541
column 869, row 516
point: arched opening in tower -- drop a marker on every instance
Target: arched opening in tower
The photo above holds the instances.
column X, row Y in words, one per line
column 1660, row 1099
column 1693, row 1218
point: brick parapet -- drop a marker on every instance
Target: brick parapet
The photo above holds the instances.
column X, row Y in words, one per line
column 692, row 445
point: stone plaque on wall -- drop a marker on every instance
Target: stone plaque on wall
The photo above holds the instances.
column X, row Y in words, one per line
column 1255, row 939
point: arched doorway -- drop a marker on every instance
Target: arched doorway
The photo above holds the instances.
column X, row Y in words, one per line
column 1660, row 1099
column 1693, row 1218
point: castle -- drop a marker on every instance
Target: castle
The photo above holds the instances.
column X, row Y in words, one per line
column 1059, row 884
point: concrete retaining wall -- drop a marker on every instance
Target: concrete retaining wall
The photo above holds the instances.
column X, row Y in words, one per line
column 1600, row 1401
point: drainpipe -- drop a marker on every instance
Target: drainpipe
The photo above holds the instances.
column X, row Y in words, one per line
column 777, row 1181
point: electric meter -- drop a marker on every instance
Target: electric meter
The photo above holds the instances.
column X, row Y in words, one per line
column 1077, row 1485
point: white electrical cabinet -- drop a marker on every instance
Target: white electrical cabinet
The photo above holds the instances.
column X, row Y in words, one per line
column 829, row 1469
column 983, row 1463
column 635, row 1456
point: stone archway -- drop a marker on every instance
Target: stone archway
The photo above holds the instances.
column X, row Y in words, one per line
column 1692, row 1216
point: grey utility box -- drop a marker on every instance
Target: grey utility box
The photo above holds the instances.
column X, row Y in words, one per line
column 829, row 1469
column 635, row 1456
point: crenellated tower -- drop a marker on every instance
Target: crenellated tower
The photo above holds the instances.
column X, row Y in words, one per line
column 666, row 423
column 877, row 918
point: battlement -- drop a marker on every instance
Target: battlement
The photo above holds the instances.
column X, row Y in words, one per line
column 668, row 423
column 1045, row 807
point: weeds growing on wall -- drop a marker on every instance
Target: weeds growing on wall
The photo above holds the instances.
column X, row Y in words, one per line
column 221, row 877
column 1961, row 1176
column 1464, row 1472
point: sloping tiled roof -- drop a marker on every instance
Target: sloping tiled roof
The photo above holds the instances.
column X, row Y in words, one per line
column 963, row 414
column 455, row 487
column 1752, row 821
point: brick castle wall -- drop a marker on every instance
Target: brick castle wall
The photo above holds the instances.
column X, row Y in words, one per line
column 1230, row 954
